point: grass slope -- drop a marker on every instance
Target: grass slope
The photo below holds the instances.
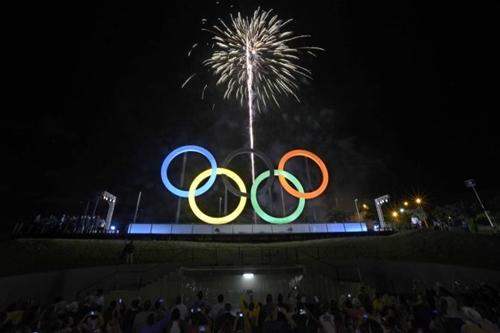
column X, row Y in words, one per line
column 466, row 249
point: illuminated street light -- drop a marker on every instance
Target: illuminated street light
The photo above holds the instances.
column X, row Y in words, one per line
column 395, row 214
column 405, row 203
column 248, row 276
column 111, row 200
column 378, row 205
column 365, row 206
column 418, row 201
column 401, row 210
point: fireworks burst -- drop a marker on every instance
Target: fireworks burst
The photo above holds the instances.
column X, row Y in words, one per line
column 253, row 59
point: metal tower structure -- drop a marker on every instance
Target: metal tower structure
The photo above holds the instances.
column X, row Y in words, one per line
column 111, row 200
column 378, row 204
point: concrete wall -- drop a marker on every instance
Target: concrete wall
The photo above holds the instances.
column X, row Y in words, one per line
column 398, row 276
column 43, row 287
column 384, row 275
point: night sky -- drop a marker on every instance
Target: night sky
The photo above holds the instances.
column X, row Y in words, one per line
column 403, row 101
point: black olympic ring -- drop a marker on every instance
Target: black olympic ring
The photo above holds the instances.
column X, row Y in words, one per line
column 241, row 151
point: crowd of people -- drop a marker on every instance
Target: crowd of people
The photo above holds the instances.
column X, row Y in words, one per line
column 437, row 309
column 64, row 224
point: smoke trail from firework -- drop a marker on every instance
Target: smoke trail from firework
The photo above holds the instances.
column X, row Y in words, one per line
column 249, row 65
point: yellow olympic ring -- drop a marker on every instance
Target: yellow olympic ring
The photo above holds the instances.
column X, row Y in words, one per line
column 210, row 219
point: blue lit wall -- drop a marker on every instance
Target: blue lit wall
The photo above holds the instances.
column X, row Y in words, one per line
column 201, row 229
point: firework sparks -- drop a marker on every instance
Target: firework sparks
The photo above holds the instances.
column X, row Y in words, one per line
column 257, row 48
column 192, row 48
column 252, row 58
column 187, row 80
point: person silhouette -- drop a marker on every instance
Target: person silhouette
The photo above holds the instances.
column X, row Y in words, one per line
column 128, row 252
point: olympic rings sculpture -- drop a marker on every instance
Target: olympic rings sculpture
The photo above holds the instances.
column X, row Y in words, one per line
column 284, row 177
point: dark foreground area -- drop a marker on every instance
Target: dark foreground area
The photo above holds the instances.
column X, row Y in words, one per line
column 463, row 308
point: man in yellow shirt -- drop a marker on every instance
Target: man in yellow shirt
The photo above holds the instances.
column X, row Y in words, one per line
column 251, row 311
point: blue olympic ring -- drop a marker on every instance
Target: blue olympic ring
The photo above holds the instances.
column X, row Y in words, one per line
column 177, row 152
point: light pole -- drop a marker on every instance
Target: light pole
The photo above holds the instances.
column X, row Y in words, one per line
column 472, row 184
column 86, row 208
column 137, row 206
column 357, row 209
column 111, row 200
column 220, row 206
column 378, row 205
column 96, row 204
column 179, row 201
column 419, row 202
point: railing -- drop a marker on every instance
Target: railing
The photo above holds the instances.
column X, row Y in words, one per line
column 233, row 256
column 315, row 259
column 245, row 255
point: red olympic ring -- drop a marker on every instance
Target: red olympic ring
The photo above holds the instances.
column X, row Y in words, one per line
column 317, row 160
